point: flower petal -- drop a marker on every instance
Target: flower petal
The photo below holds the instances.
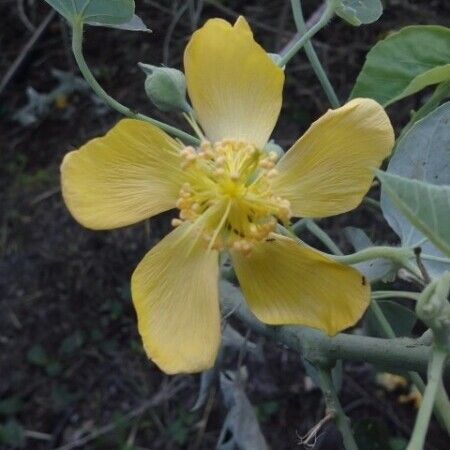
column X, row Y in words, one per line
column 329, row 169
column 175, row 293
column 130, row 174
column 234, row 86
column 286, row 283
column 242, row 25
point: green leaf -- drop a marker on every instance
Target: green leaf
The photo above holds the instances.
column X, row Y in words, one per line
column 401, row 319
column 404, row 63
column 426, row 206
column 359, row 12
column 421, row 154
column 135, row 24
column 104, row 12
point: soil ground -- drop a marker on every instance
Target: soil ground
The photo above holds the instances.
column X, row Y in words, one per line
column 71, row 361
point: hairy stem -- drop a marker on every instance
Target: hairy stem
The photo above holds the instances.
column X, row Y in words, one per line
column 335, row 409
column 395, row 294
column 302, row 40
column 435, row 370
column 396, row 355
column 312, row 55
column 77, row 48
column 401, row 256
column 442, row 404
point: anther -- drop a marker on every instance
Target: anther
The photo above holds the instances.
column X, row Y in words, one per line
column 176, row 222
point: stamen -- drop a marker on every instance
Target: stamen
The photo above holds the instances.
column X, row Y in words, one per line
column 232, row 179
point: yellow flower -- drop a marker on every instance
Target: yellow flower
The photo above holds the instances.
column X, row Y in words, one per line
column 230, row 195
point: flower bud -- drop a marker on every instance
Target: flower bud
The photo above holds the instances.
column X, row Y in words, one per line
column 166, row 88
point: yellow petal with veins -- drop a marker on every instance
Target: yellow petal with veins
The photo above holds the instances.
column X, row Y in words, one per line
column 286, row 283
column 330, row 168
column 242, row 25
column 130, row 174
column 235, row 88
column 175, row 293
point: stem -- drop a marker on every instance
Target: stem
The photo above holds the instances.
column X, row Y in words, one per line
column 400, row 354
column 334, row 407
column 401, row 256
column 323, row 237
column 442, row 404
column 77, row 48
column 299, row 226
column 381, row 319
column 435, row 369
column 442, row 259
column 312, row 55
column 326, row 16
column 395, row 294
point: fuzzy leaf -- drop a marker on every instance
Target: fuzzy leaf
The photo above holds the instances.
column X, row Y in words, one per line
column 135, row 24
column 422, row 154
column 104, row 12
column 426, row 206
column 359, row 12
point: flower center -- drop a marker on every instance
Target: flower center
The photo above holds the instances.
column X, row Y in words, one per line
column 228, row 194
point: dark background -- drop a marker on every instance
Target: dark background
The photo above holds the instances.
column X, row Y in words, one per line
column 71, row 361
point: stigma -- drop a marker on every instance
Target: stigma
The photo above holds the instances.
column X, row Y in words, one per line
column 227, row 194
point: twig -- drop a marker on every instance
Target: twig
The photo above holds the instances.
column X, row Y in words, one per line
column 335, row 409
column 420, row 265
column 312, row 55
column 311, row 435
column 31, row 434
column 24, row 18
column 45, row 195
column 158, row 398
column 204, row 420
column 171, row 28
column 25, row 50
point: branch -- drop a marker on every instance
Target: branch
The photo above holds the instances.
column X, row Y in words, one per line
column 312, row 55
column 400, row 354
